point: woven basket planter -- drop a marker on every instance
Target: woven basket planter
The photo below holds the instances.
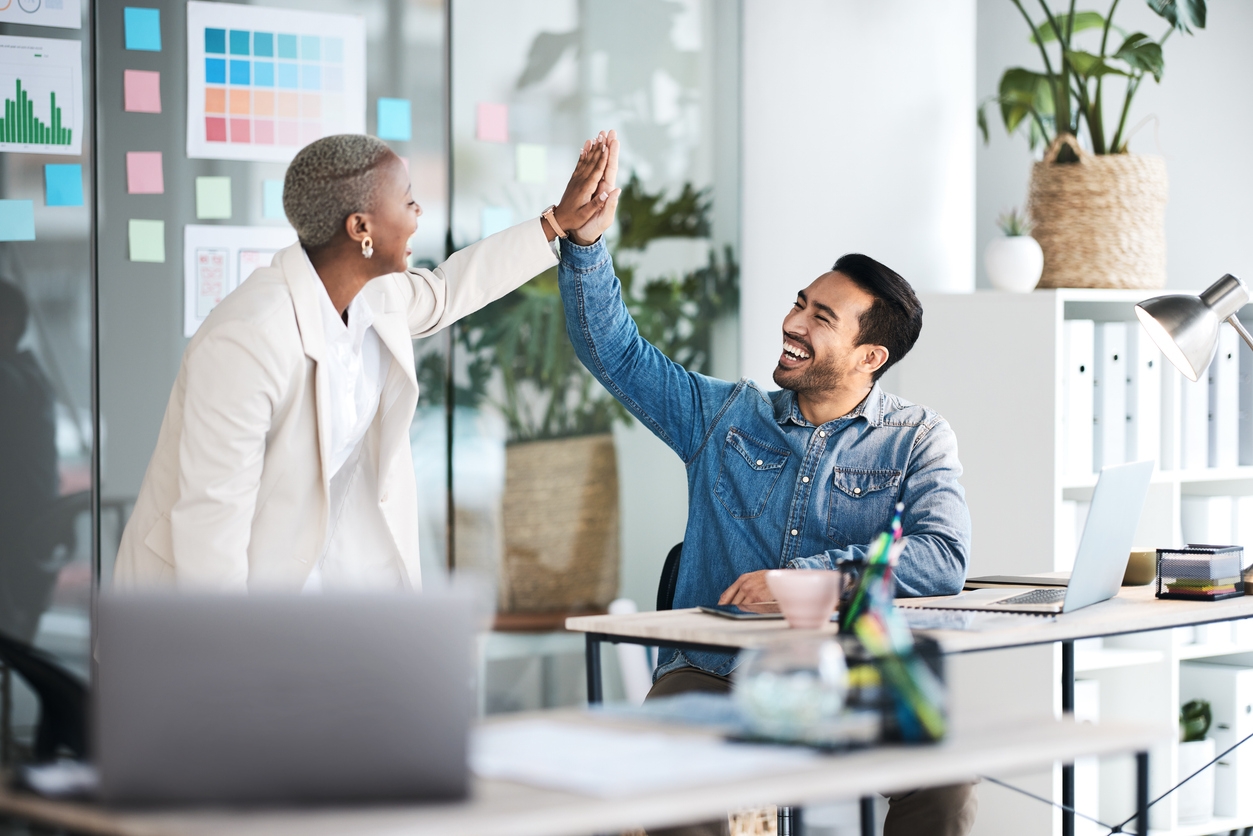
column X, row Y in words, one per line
column 1100, row 221
column 560, row 525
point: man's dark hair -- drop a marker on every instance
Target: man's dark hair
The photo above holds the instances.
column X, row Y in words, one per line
column 894, row 321
column 14, row 310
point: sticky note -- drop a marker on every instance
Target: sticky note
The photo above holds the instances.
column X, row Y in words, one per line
column 141, row 91
column 496, row 218
column 213, row 198
column 144, row 173
column 147, row 240
column 63, row 185
column 394, row 120
column 17, row 220
column 493, row 122
column 143, row 28
column 272, row 199
column 532, row 163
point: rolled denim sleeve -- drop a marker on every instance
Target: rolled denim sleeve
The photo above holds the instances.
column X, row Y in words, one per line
column 935, row 522
column 678, row 406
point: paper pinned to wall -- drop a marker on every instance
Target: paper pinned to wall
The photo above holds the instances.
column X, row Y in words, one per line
column 147, row 240
column 216, row 259
column 17, row 220
column 395, row 120
column 141, row 91
column 41, row 95
column 282, row 79
column 492, row 124
column 272, row 200
column 65, row 14
column 143, row 28
column 63, row 185
column 532, row 163
column 213, row 198
column 144, row 173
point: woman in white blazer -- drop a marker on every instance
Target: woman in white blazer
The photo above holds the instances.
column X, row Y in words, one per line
column 283, row 461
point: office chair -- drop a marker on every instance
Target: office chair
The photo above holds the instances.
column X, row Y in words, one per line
column 62, row 699
column 669, row 578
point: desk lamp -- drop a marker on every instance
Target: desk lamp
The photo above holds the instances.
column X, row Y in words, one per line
column 1185, row 327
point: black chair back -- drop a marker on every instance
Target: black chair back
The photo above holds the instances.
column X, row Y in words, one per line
column 669, row 578
column 62, row 699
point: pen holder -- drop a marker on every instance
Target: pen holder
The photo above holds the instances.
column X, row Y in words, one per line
column 870, row 686
column 1200, row 572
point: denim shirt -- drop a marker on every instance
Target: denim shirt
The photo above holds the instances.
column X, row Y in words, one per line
column 766, row 488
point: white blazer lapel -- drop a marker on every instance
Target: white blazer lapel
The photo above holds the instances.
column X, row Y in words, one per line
column 306, row 301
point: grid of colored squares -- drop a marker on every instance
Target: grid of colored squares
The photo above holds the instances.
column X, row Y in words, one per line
column 269, row 88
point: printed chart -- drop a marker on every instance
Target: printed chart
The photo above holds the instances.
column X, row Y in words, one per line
column 217, row 258
column 63, row 14
column 41, row 82
column 263, row 83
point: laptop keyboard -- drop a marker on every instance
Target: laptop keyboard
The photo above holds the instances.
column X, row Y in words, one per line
column 1037, row 596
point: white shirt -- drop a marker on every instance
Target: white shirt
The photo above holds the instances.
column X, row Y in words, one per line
column 356, row 370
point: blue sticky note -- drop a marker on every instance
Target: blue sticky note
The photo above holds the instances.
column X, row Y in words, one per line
column 496, row 218
column 215, row 41
column 310, row 48
column 288, row 76
column 17, row 220
column 287, row 46
column 143, row 28
column 333, row 50
column 63, row 185
column 263, row 73
column 241, row 72
column 272, row 199
column 263, row 44
column 239, row 41
column 215, row 71
column 394, row 120
column 310, row 77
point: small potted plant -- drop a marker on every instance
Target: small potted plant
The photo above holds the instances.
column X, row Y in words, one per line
column 1196, row 797
column 1016, row 261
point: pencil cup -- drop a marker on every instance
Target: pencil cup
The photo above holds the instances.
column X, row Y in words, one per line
column 807, row 597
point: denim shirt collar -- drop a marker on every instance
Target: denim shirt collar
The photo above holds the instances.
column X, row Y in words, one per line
column 787, row 411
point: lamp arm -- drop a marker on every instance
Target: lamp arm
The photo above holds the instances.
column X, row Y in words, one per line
column 1241, row 330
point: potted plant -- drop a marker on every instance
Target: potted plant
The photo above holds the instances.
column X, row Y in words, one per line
column 1196, row 797
column 1014, row 262
column 1099, row 211
column 560, row 508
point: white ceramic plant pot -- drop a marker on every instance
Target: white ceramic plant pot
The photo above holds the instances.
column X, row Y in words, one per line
column 1196, row 798
column 1014, row 263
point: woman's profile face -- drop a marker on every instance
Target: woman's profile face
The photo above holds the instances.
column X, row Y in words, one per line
column 394, row 219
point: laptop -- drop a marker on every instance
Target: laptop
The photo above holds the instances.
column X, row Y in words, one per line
column 280, row 699
column 1099, row 563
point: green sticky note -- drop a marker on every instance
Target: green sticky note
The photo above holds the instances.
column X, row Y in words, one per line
column 147, row 239
column 532, row 163
column 213, row 198
column 272, row 199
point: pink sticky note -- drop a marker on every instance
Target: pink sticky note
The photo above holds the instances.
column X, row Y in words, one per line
column 143, row 173
column 142, row 91
column 493, row 123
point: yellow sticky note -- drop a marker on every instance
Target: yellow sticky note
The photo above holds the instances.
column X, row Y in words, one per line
column 147, row 240
column 213, row 198
column 532, row 163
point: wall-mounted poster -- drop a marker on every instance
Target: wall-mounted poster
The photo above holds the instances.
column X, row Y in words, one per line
column 41, row 87
column 63, row 14
column 217, row 258
column 263, row 83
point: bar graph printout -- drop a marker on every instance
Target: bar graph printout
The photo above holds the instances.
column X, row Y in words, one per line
column 41, row 94
column 263, row 83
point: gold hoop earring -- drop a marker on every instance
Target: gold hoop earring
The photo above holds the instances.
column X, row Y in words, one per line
column 367, row 247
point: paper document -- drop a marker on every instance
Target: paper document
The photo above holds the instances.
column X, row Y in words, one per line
column 216, row 259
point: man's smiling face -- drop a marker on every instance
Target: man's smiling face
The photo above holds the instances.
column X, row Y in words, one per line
column 820, row 335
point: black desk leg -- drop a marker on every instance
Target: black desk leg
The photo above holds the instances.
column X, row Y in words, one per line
column 1142, row 793
column 1068, row 769
column 867, row 815
column 595, row 686
column 788, row 821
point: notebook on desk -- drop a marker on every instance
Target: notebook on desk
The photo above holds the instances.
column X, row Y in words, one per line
column 1099, row 563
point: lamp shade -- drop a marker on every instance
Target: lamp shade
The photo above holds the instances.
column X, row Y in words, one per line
column 1185, row 327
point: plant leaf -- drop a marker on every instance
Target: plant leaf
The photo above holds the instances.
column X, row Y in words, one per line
column 982, row 120
column 1193, row 11
column 1021, row 92
column 1086, row 65
column 1083, row 20
column 1142, row 53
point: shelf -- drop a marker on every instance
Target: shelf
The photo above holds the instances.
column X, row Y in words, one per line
column 1167, row 477
column 1204, row 651
column 1099, row 659
column 1205, row 828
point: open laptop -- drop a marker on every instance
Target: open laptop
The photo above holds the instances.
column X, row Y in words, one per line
column 1099, row 563
column 261, row 699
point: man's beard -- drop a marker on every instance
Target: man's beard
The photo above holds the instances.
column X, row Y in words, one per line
column 812, row 379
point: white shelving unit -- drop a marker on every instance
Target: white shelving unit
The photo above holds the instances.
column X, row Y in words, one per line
column 991, row 364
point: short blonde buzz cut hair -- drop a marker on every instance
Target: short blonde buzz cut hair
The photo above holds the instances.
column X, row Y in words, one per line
column 330, row 179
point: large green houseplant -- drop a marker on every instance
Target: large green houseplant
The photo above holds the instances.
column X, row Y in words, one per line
column 1098, row 211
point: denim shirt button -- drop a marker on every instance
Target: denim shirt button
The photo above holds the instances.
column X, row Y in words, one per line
column 856, row 490
column 794, row 532
column 805, row 479
column 822, row 433
column 760, row 462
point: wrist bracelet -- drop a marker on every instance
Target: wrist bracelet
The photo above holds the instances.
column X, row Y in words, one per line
column 550, row 215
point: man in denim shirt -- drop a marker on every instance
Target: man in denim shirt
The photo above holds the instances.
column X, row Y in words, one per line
column 800, row 477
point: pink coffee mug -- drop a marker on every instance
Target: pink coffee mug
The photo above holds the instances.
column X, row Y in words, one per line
column 807, row 597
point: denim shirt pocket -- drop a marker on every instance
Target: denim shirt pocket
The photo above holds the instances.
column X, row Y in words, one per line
column 861, row 504
column 747, row 474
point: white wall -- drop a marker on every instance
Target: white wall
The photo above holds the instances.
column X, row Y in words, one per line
column 1204, row 110
column 858, row 135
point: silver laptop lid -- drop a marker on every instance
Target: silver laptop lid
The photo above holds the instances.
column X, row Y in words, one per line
column 280, row 699
column 1109, row 534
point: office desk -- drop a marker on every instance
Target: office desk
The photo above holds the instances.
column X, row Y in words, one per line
column 500, row 808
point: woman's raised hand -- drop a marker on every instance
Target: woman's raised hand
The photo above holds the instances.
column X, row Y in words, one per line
column 582, row 200
column 605, row 199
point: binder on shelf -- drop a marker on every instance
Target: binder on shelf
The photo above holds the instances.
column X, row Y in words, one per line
column 1206, row 519
column 1193, row 423
column 1109, row 405
column 1242, row 527
column 1078, row 336
column 1224, row 401
column 1245, row 355
column 1088, row 770
column 1229, row 691
column 1144, row 396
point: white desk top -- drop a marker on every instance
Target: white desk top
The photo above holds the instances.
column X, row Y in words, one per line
column 501, row 808
column 1133, row 610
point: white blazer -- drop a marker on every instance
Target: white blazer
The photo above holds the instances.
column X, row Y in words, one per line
column 236, row 495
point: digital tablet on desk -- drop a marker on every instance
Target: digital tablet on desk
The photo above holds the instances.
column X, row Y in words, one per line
column 749, row 612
